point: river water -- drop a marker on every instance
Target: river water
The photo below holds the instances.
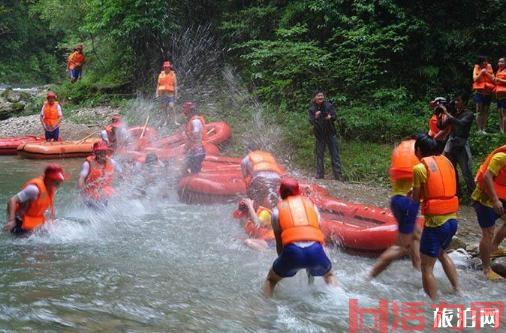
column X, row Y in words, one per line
column 156, row 265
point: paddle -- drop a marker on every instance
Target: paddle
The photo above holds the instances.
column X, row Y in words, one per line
column 145, row 126
column 86, row 137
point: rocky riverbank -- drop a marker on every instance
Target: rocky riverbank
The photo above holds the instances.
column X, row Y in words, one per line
column 76, row 124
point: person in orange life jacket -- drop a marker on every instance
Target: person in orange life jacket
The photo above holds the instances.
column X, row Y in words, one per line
column 262, row 174
column 434, row 182
column 115, row 135
column 404, row 209
column 457, row 148
column 166, row 91
column 26, row 210
column 195, row 135
column 489, row 203
column 75, row 63
column 260, row 215
column 439, row 129
column 96, row 176
column 500, row 92
column 322, row 116
column 296, row 226
column 483, row 85
column 50, row 117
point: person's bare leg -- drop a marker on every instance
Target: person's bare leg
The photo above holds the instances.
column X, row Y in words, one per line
column 394, row 252
column 487, row 235
column 256, row 244
column 428, row 280
column 270, row 283
column 330, row 279
column 172, row 106
column 479, row 116
column 502, row 119
column 450, row 270
column 499, row 236
column 484, row 120
column 414, row 250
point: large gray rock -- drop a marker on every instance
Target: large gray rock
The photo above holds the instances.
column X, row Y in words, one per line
column 13, row 102
column 499, row 266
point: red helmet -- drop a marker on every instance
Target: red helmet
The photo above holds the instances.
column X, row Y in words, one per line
column 166, row 64
column 100, row 146
column 54, row 172
column 288, row 187
column 51, row 94
column 188, row 107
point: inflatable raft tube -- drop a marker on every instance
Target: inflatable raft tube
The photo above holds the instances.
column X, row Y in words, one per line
column 358, row 227
column 57, row 150
column 211, row 187
column 9, row 146
column 166, row 154
column 217, row 133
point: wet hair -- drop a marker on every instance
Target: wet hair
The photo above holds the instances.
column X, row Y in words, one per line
column 426, row 144
column 288, row 187
column 253, row 146
column 151, row 158
column 464, row 95
column 481, row 59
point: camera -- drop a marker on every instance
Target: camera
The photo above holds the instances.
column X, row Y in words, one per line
column 441, row 102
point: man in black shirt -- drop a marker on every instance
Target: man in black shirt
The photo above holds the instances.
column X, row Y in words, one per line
column 457, row 148
column 322, row 115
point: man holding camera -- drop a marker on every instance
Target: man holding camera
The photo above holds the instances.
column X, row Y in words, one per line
column 457, row 148
column 322, row 115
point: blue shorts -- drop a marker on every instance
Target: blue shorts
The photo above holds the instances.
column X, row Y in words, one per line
column 486, row 215
column 434, row 240
column 167, row 99
column 194, row 161
column 501, row 104
column 53, row 135
column 75, row 73
column 482, row 99
column 405, row 211
column 294, row 258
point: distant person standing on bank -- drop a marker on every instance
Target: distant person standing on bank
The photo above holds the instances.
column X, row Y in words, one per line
column 322, row 115
column 75, row 63
column 50, row 117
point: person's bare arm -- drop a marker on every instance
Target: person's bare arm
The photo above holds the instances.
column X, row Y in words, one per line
column 277, row 232
column 416, row 194
column 488, row 179
column 11, row 213
column 251, row 211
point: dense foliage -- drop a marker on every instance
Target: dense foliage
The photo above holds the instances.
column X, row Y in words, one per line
column 378, row 61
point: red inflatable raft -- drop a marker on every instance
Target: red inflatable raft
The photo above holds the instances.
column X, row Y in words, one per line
column 219, row 181
column 217, row 133
column 54, row 150
column 8, row 146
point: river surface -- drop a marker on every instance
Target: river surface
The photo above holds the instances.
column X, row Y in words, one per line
column 152, row 264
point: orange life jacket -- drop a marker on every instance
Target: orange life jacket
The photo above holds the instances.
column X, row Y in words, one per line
column 75, row 59
column 50, row 114
column 499, row 180
column 433, row 129
column 500, row 88
column 99, row 179
column 263, row 161
column 440, row 190
column 298, row 221
column 483, row 85
column 403, row 161
column 34, row 214
column 167, row 82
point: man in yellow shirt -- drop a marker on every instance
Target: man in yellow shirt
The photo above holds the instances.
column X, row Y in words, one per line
column 489, row 203
column 434, row 182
